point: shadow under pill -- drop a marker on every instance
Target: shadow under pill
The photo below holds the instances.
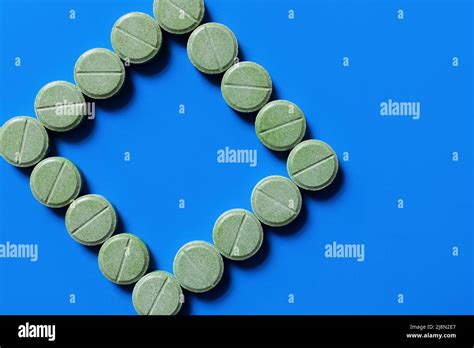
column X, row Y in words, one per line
column 257, row 260
column 309, row 133
column 152, row 266
column 329, row 192
column 94, row 249
column 25, row 171
column 59, row 212
column 247, row 117
column 78, row 134
column 121, row 99
column 158, row 63
column 181, row 40
column 281, row 155
column 207, row 16
column 85, row 189
column 275, row 95
column 120, row 227
column 294, row 227
column 219, row 290
column 242, row 55
column 126, row 288
column 213, row 79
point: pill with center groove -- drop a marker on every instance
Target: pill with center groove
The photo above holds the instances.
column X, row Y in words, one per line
column 24, row 141
column 136, row 37
column 178, row 16
column 246, row 87
column 99, row 73
column 60, row 106
column 280, row 125
column 212, row 48
column 276, row 201
column 55, row 182
column 157, row 293
column 312, row 165
column 123, row 259
column 237, row 234
column 198, row 266
column 91, row 220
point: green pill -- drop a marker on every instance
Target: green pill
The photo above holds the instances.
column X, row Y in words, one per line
column 276, row 201
column 157, row 293
column 238, row 234
column 179, row 16
column 136, row 37
column 246, row 87
column 212, row 48
column 60, row 106
column 99, row 73
column 312, row 165
column 280, row 125
column 24, row 141
column 55, row 182
column 91, row 220
column 123, row 259
column 198, row 266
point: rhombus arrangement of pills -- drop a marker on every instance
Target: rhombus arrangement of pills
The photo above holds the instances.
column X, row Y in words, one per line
column 91, row 220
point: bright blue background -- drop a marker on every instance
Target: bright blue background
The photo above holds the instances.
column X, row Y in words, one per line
column 407, row 251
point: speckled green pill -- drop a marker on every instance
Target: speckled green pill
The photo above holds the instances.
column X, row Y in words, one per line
column 179, row 16
column 55, row 182
column 212, row 48
column 99, row 73
column 280, row 125
column 157, row 293
column 198, row 266
column 91, row 220
column 276, row 201
column 60, row 106
column 136, row 37
column 24, row 141
column 237, row 234
column 123, row 259
column 313, row 165
column 246, row 87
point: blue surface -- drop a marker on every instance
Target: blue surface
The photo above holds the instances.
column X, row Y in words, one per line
column 408, row 251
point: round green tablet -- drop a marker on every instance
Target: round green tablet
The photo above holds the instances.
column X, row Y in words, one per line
column 99, row 73
column 246, row 87
column 238, row 234
column 123, row 259
column 91, row 220
column 178, row 16
column 136, row 37
column 157, row 293
column 312, row 165
column 60, row 106
column 24, row 141
column 55, row 182
column 198, row 266
column 276, row 201
column 280, row 125
column 212, row 48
